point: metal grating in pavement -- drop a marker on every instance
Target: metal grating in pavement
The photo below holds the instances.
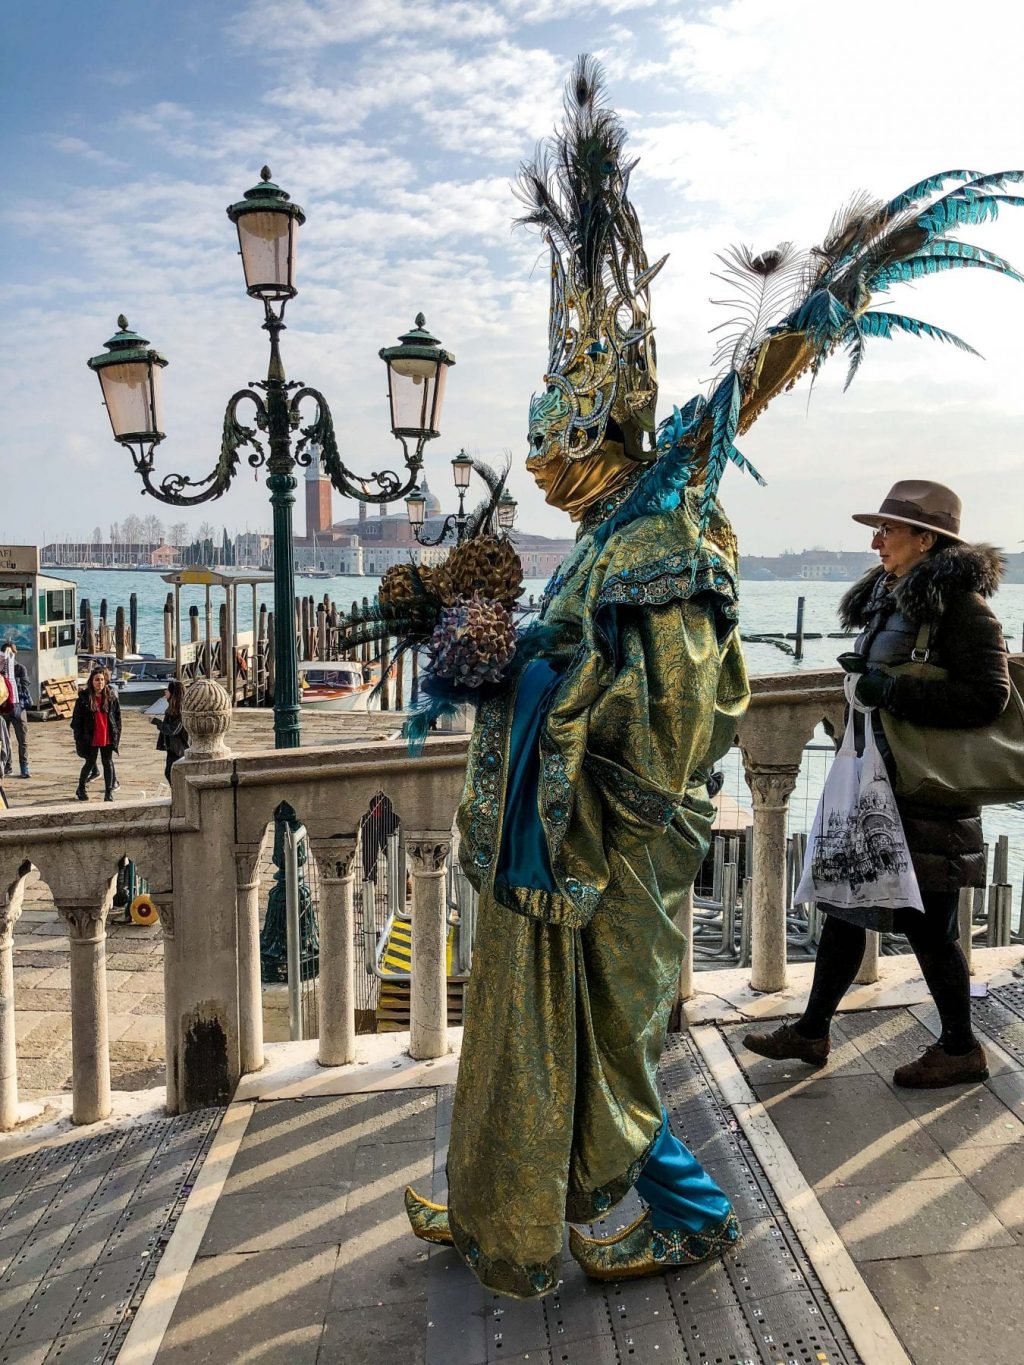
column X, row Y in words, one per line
column 82, row 1229
column 1000, row 1014
column 759, row 1305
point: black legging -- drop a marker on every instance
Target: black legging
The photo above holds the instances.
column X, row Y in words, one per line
column 943, row 966
column 104, row 755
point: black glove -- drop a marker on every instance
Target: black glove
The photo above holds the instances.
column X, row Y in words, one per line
column 874, row 689
column 852, row 663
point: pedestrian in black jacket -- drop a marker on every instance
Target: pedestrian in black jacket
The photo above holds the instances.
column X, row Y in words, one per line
column 96, row 726
column 928, row 574
column 14, row 717
column 173, row 738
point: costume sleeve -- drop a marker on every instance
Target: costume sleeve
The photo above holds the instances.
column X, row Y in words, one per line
column 977, row 687
column 651, row 729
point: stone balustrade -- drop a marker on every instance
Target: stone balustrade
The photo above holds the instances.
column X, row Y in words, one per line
column 199, row 851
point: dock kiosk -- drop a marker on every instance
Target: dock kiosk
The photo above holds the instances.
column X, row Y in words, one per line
column 37, row 612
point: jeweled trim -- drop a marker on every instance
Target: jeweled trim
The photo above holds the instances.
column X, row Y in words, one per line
column 676, row 1246
column 518, row 1281
column 586, row 1206
column 486, row 766
column 673, row 577
column 652, row 807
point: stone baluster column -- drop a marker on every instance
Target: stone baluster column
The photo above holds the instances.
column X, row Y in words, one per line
column 336, row 995
column 165, row 909
column 90, row 1047
column 427, row 852
column 770, row 787
column 250, row 990
column 868, row 970
column 10, row 913
column 684, row 922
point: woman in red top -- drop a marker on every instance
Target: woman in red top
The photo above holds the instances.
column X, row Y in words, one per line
column 96, row 726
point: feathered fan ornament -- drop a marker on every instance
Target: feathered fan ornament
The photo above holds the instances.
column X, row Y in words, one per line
column 458, row 614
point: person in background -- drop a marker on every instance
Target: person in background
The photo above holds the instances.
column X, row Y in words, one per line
column 927, row 575
column 96, row 726
column 173, row 738
column 17, row 681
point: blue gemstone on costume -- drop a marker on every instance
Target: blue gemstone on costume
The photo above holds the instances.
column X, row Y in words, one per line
column 492, row 759
column 658, row 1248
column 634, row 591
column 557, row 813
column 482, row 857
column 602, row 1202
column 473, row 1253
column 540, row 1279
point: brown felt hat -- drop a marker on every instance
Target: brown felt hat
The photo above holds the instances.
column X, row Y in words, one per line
column 921, row 503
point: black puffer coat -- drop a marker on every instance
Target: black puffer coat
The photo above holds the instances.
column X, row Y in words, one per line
column 948, row 590
column 83, row 718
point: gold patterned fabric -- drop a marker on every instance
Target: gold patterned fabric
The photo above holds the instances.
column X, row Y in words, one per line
column 557, row 1103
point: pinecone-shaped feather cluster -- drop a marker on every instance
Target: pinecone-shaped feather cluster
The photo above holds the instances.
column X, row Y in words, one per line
column 473, row 642
column 486, row 566
column 405, row 584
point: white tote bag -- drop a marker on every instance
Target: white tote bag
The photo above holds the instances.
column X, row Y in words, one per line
column 857, row 855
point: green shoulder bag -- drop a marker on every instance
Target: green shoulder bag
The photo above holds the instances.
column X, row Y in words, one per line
column 980, row 766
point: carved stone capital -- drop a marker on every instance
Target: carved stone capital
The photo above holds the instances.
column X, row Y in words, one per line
column 335, row 857
column 246, row 863
column 427, row 852
column 86, row 921
column 206, row 714
column 772, row 787
column 165, row 909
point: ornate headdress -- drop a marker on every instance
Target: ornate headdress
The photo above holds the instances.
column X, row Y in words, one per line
column 794, row 308
column 601, row 381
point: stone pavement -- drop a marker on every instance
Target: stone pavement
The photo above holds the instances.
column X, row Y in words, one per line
column 925, row 1188
column 82, row 1227
column 303, row 1254
column 308, row 1256
column 135, row 986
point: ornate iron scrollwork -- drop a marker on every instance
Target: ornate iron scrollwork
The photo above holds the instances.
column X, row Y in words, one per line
column 350, row 485
column 235, row 436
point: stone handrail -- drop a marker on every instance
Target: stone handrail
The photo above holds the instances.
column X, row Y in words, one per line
column 199, row 852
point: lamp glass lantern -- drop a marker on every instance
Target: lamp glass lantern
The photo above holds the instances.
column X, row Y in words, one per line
column 129, row 375
column 462, row 471
column 268, row 238
column 417, row 369
column 506, row 511
column 416, row 508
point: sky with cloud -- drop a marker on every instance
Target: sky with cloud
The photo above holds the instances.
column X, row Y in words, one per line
column 398, row 126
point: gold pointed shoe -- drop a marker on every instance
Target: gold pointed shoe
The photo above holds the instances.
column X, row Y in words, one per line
column 429, row 1221
column 642, row 1249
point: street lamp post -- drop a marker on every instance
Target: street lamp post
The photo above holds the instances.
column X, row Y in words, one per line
column 462, row 469
column 129, row 373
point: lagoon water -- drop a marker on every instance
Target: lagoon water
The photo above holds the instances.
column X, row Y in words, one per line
column 764, row 607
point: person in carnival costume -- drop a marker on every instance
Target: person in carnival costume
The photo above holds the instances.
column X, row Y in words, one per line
column 586, row 814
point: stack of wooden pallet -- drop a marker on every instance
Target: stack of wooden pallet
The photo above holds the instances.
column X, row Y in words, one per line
column 57, row 697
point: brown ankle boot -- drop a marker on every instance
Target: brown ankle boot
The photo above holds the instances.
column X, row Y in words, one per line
column 936, row 1067
column 784, row 1044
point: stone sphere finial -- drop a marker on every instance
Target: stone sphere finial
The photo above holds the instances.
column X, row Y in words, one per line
column 206, row 715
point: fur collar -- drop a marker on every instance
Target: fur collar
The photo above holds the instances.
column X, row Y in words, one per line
column 923, row 593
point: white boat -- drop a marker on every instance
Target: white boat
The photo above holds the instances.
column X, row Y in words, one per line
column 142, row 681
column 333, row 686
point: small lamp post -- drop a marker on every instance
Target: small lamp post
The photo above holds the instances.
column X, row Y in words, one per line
column 129, row 373
column 416, row 506
column 507, row 506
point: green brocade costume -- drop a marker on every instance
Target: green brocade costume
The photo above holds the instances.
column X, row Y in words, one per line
column 577, row 957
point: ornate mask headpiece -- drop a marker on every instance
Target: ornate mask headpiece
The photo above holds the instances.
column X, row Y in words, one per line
column 601, row 382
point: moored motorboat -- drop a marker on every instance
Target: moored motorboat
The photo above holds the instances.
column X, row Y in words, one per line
column 333, row 686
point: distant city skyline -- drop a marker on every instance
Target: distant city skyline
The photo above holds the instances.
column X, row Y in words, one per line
column 399, row 127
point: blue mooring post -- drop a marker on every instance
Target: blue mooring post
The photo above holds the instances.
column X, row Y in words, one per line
column 798, row 653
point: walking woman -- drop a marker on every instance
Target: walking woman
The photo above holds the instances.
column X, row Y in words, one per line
column 173, row 739
column 928, row 576
column 96, row 726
